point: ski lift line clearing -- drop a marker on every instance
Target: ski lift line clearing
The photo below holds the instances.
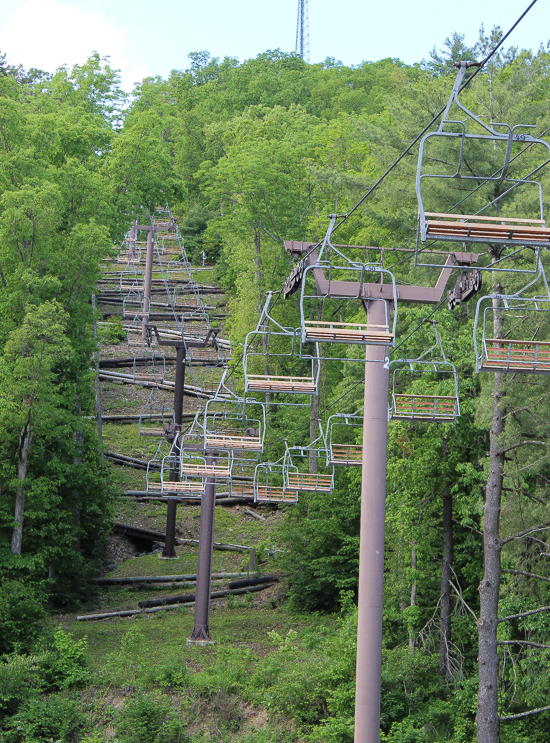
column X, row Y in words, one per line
column 465, row 228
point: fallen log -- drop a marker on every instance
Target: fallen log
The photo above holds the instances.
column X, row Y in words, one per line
column 127, row 580
column 256, row 515
column 186, row 598
column 253, row 581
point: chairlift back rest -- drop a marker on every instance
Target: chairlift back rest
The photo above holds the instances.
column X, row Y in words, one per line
column 310, row 483
column 350, row 454
column 464, row 226
column 516, row 355
column 425, row 406
column 276, row 493
column 347, row 332
column 273, row 383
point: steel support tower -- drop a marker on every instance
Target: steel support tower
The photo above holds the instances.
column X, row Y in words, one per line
column 302, row 30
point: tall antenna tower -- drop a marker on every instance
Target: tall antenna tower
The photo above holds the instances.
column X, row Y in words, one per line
column 302, row 31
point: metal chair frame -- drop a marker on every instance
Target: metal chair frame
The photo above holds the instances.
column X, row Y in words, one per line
column 349, row 455
column 527, row 356
column 425, row 407
column 469, row 230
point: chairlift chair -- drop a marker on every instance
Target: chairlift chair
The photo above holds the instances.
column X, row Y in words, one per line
column 477, row 228
column 418, row 384
column 296, row 470
column 227, row 427
column 265, row 346
column 269, row 485
column 342, row 425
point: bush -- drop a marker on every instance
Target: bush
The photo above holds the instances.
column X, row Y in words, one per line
column 23, row 617
column 18, row 681
column 148, row 718
column 57, row 718
column 66, row 664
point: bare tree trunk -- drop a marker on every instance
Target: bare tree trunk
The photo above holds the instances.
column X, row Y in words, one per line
column 445, row 616
column 97, row 385
column 414, row 566
column 313, row 431
column 489, row 589
column 24, row 447
column 260, row 283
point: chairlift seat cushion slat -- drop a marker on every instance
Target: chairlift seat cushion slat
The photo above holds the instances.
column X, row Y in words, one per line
column 346, row 454
column 516, row 356
column 310, row 483
column 274, row 383
column 275, row 494
column 347, row 332
column 465, row 226
column 424, row 407
column 182, row 487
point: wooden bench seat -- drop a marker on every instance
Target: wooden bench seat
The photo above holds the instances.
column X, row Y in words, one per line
column 205, row 470
column 505, row 230
column 347, row 454
column 424, row 407
column 345, row 332
column 272, row 383
column 237, row 443
column 275, row 494
column 309, row 483
column 182, row 487
column 530, row 357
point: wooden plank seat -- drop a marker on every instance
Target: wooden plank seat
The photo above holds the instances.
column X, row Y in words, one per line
column 309, row 483
column 349, row 454
column 205, row 470
column 345, row 332
column 182, row 487
column 273, row 383
column 238, row 443
column 507, row 230
column 424, row 407
column 275, row 494
column 529, row 357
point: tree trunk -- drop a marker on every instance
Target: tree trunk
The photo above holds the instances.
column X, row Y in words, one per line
column 488, row 660
column 313, row 431
column 445, row 604
column 24, row 447
column 414, row 565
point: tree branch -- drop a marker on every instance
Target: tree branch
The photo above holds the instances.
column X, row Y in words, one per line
column 521, row 443
column 523, row 614
column 528, row 575
column 458, row 593
column 523, row 642
column 523, row 714
column 524, row 533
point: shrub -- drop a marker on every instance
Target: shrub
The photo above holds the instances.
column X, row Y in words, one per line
column 66, row 664
column 148, row 718
column 18, row 682
column 23, row 617
column 57, row 718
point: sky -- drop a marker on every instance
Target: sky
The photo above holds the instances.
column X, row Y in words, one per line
column 144, row 39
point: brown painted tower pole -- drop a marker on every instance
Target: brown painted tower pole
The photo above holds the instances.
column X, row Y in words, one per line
column 371, row 549
column 147, row 284
column 201, row 630
column 169, row 549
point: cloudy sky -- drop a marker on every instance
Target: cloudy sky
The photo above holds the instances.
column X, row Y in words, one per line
column 145, row 39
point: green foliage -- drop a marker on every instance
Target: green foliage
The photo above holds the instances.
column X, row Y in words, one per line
column 18, row 681
column 42, row 720
column 149, row 718
column 23, row 617
column 65, row 665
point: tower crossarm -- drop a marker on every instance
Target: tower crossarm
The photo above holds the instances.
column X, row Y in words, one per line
column 414, row 294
